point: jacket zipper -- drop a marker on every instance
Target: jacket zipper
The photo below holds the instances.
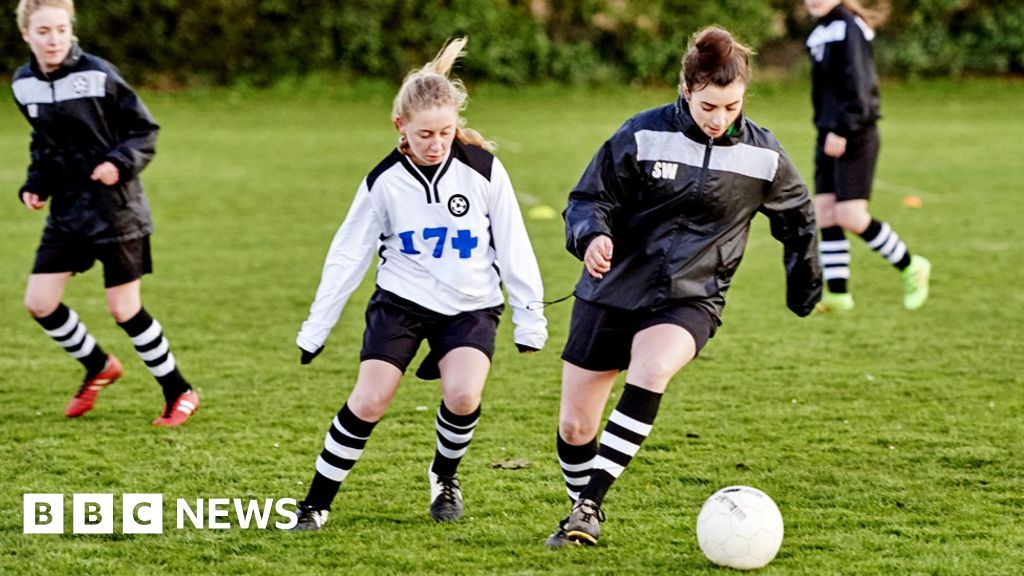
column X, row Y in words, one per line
column 704, row 168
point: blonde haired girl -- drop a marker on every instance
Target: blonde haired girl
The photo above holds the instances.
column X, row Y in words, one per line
column 441, row 213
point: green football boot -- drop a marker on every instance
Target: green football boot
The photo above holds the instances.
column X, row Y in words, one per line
column 834, row 302
column 915, row 282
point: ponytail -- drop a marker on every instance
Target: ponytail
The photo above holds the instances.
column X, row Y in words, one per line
column 430, row 87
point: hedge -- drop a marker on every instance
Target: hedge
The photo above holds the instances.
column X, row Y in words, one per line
column 176, row 42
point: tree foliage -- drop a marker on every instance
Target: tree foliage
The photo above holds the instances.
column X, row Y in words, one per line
column 514, row 41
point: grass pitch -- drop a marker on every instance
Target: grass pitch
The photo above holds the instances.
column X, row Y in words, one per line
column 891, row 441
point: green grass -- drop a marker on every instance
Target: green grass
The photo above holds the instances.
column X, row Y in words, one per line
column 891, row 441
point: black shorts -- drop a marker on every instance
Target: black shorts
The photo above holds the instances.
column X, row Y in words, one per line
column 123, row 261
column 395, row 327
column 851, row 175
column 601, row 338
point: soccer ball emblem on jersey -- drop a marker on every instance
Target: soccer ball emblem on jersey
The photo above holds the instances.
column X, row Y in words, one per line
column 740, row 527
column 80, row 85
column 458, row 205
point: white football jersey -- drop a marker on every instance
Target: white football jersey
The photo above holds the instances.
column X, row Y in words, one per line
column 446, row 243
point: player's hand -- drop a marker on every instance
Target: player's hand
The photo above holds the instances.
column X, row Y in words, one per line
column 106, row 173
column 524, row 349
column 835, row 145
column 308, row 356
column 598, row 258
column 32, row 201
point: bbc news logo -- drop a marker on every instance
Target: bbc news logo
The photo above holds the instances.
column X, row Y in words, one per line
column 144, row 514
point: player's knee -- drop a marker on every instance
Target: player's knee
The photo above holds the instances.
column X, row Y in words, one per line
column 122, row 312
column 39, row 308
column 462, row 402
column 576, row 432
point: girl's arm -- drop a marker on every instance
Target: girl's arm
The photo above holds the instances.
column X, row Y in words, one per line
column 347, row 260
column 517, row 262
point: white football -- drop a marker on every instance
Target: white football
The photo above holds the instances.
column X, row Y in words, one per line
column 739, row 527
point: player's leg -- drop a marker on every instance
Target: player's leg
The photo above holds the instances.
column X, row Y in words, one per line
column 855, row 170
column 834, row 246
column 597, row 350
column 392, row 336
column 658, row 352
column 584, row 395
column 465, row 345
column 56, row 259
column 124, row 264
column 346, row 438
column 835, row 256
column 463, row 374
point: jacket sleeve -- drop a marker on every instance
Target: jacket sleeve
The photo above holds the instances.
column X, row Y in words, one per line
column 791, row 213
column 136, row 130
column 36, row 180
column 346, row 264
column 517, row 262
column 592, row 203
column 854, row 86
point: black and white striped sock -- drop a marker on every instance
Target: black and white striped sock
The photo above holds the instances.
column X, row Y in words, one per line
column 577, row 463
column 627, row 428
column 148, row 337
column 70, row 334
column 883, row 239
column 835, row 258
column 343, row 445
column 454, row 433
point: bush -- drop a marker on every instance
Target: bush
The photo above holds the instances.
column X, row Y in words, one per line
column 518, row 41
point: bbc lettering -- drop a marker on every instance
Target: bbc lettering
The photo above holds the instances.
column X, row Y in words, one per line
column 144, row 513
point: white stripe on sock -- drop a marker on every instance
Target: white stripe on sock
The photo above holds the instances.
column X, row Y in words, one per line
column 155, row 352
column 602, row 463
column 469, row 426
column 164, row 368
column 579, row 482
column 834, row 245
column 332, row 473
column 452, row 454
column 618, row 444
column 831, row 259
column 86, row 349
column 77, row 338
column 836, row 272
column 897, row 254
column 630, row 423
column 454, row 437
column 337, row 424
column 576, row 467
column 883, row 236
column 148, row 335
column 66, row 328
column 340, row 450
column 890, row 245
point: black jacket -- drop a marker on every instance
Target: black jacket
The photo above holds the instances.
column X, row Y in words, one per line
column 83, row 114
column 843, row 78
column 678, row 207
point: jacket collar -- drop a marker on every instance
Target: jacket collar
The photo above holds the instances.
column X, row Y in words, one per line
column 688, row 126
column 72, row 59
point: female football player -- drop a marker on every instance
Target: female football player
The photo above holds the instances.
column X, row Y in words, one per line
column 441, row 213
column 91, row 137
column 660, row 220
column 846, row 109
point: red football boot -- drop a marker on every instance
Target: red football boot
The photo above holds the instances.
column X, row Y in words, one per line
column 90, row 390
column 186, row 405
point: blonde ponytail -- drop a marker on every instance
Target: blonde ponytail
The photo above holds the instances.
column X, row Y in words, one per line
column 430, row 87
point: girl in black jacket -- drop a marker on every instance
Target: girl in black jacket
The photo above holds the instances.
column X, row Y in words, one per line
column 846, row 108
column 91, row 136
column 660, row 220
